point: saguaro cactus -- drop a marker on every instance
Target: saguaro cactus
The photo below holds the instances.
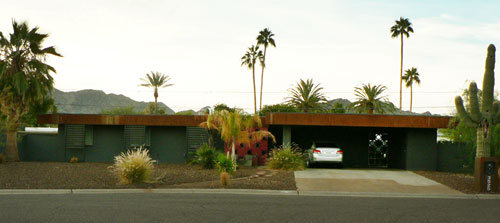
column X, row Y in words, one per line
column 485, row 117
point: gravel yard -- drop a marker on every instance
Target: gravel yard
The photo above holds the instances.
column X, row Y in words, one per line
column 461, row 182
column 56, row 175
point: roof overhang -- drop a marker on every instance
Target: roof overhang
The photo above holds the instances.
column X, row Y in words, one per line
column 358, row 120
column 147, row 120
column 306, row 119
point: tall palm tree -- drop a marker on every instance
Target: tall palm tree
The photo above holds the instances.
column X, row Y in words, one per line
column 156, row 80
column 25, row 78
column 370, row 100
column 401, row 28
column 249, row 60
column 265, row 39
column 306, row 96
column 411, row 76
column 234, row 127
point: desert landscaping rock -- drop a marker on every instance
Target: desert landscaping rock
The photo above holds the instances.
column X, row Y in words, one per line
column 58, row 175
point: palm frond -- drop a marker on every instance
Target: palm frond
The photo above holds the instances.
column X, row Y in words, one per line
column 370, row 99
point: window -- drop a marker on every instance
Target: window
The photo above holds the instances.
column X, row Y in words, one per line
column 74, row 136
column 135, row 135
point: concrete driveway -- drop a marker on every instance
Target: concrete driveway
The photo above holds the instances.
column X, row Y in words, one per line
column 368, row 180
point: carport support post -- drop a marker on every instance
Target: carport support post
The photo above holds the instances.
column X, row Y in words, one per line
column 287, row 135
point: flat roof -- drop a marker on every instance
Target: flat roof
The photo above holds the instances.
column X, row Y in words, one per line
column 306, row 119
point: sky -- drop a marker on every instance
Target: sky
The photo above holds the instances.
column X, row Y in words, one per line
column 110, row 45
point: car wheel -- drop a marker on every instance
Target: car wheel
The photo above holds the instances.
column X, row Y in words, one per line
column 308, row 164
column 340, row 165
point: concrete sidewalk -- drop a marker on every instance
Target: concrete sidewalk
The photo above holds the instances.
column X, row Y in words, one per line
column 368, row 181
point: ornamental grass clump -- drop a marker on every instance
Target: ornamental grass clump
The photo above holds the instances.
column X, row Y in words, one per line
column 286, row 157
column 134, row 166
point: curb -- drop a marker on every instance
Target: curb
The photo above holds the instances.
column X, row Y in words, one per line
column 34, row 191
column 185, row 191
column 392, row 195
column 247, row 192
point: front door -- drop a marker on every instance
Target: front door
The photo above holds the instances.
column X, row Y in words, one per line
column 378, row 150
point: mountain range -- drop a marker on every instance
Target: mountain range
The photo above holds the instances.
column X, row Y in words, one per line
column 94, row 101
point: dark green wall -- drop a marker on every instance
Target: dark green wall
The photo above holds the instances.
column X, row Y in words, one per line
column 41, row 147
column 455, row 157
column 169, row 144
column 421, row 149
column 108, row 143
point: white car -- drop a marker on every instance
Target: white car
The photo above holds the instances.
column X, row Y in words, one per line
column 324, row 153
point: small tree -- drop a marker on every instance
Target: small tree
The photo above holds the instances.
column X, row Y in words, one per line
column 370, row 100
column 306, row 96
column 410, row 77
column 265, row 39
column 235, row 127
column 156, row 80
column 250, row 60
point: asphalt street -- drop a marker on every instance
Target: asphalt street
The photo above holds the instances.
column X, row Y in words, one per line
column 153, row 207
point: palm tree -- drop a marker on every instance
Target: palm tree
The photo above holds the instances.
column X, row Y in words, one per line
column 265, row 39
column 401, row 28
column 370, row 100
column 411, row 76
column 249, row 60
column 156, row 80
column 25, row 78
column 306, row 96
column 234, row 127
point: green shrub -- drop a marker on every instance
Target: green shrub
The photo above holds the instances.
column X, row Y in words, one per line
column 225, row 164
column 277, row 108
column 287, row 157
column 206, row 156
column 134, row 166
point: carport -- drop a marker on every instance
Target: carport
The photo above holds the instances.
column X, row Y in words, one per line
column 368, row 141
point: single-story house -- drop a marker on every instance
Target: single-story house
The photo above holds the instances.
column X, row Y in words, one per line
column 391, row 141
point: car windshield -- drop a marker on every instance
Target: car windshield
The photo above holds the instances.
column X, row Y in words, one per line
column 329, row 145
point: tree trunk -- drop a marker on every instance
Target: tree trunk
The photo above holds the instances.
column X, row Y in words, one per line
column 262, row 79
column 401, row 79
column 254, row 89
column 156, row 101
column 11, row 152
column 411, row 97
column 233, row 153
